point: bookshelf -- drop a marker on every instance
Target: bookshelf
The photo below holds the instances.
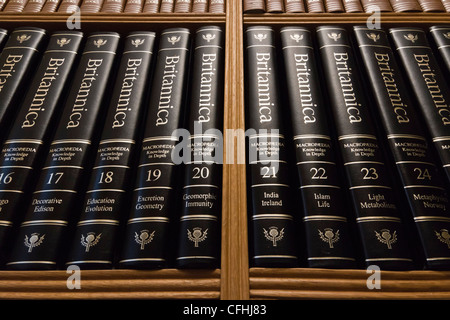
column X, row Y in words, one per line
column 234, row 279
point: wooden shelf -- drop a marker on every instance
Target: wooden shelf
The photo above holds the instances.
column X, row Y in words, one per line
column 300, row 283
column 112, row 284
column 347, row 18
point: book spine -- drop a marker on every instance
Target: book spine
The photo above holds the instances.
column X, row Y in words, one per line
column 69, row 6
column 405, row 6
column 381, row 229
column 325, row 213
column 200, row 223
column 253, row 6
column 274, row 6
column 167, row 6
column 441, row 37
column 376, row 6
column 24, row 146
column 271, row 221
column 294, row 6
column 133, row 6
column 2, row 4
column 151, row 6
column 94, row 241
column 429, row 85
column 3, row 38
column 216, row 6
column 200, row 6
column 91, row 6
column 15, row 6
column 431, row 5
column 315, row 6
column 423, row 186
column 147, row 235
column 352, row 6
column 50, row 6
column 334, row 6
column 182, row 6
column 113, row 6
column 33, row 6
column 21, row 52
column 42, row 234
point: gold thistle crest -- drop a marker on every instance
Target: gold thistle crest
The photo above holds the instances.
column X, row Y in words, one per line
column 90, row 240
column 274, row 235
column 144, row 238
column 33, row 241
column 373, row 36
column 23, row 37
column 334, row 35
column 197, row 235
column 443, row 236
column 100, row 42
column 260, row 36
column 329, row 236
column 208, row 37
column 137, row 42
column 296, row 37
column 411, row 37
column 62, row 42
column 386, row 237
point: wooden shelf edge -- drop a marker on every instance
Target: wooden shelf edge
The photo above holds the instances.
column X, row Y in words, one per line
column 191, row 18
column 112, row 284
column 307, row 283
column 347, row 18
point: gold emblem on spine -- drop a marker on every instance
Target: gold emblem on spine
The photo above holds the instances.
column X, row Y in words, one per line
column 386, row 237
column 144, row 238
column 260, row 36
column 23, row 37
column 137, row 42
column 373, row 36
column 90, row 240
column 62, row 42
column 411, row 37
column 447, row 35
column 173, row 39
column 100, row 42
column 197, row 235
column 329, row 236
column 208, row 37
column 443, row 236
column 33, row 241
column 334, row 35
column 296, row 37
column 274, row 235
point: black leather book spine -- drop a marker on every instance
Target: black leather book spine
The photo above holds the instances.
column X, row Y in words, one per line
column 200, row 220
column 42, row 237
column 95, row 239
column 24, row 146
column 382, row 234
column 3, row 37
column 422, row 183
column 432, row 90
column 148, row 236
column 272, row 228
column 325, row 211
column 441, row 37
column 17, row 59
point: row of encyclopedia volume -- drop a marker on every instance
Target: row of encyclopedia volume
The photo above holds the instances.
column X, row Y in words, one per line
column 347, row 6
column 373, row 160
column 113, row 6
column 87, row 175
